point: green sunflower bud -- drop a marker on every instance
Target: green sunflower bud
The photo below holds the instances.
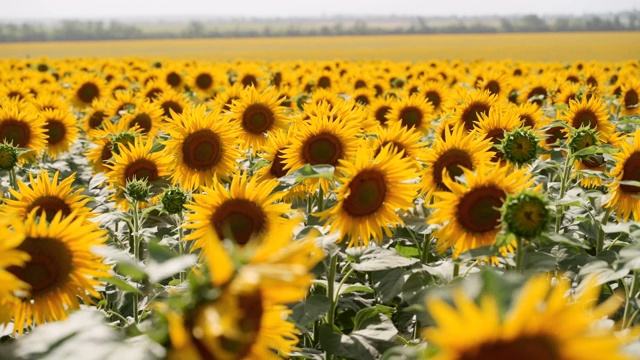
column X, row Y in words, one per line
column 583, row 138
column 137, row 190
column 526, row 215
column 173, row 200
column 123, row 139
column 520, row 146
column 8, row 157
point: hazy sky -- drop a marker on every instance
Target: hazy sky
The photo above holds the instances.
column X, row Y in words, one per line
column 92, row 9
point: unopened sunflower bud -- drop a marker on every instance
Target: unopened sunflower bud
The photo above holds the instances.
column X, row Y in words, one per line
column 8, row 157
column 137, row 190
column 173, row 200
column 526, row 215
column 520, row 146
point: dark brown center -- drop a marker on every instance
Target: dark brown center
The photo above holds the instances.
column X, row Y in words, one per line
column 202, row 150
column 239, row 220
column 367, row 192
column 479, row 209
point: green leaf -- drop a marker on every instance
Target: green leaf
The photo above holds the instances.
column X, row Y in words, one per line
column 355, row 288
column 162, row 270
column 407, row 251
column 309, row 172
column 401, row 353
column 365, row 317
column 310, row 309
column 377, row 259
column 562, row 239
column 415, row 286
column 121, row 284
column 388, row 284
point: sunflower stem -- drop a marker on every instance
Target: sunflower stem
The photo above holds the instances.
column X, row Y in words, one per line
column 520, row 250
column 181, row 244
column 331, row 294
column 418, row 246
column 12, row 179
column 320, row 199
column 456, row 270
column 631, row 294
column 136, row 254
column 600, row 239
column 563, row 188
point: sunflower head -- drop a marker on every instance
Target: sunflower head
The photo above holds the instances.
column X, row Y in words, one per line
column 8, row 156
column 520, row 146
column 173, row 200
column 137, row 190
column 526, row 214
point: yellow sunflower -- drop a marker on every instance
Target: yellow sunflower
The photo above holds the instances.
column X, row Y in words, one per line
column 61, row 131
column 404, row 141
column 492, row 126
column 469, row 105
column 247, row 212
column 629, row 93
column 372, row 189
column 124, row 102
column 100, row 151
column 322, row 141
column 86, row 88
column 470, row 212
column 10, row 257
column 495, row 82
column 47, row 197
column 21, row 126
column 530, row 114
column 379, row 110
column 96, row 115
column 412, row 112
column 61, row 271
column 590, row 113
column 624, row 198
column 452, row 152
column 224, row 99
column 147, row 116
column 437, row 93
column 135, row 161
column 202, row 80
column 172, row 101
column 204, row 145
column 542, row 323
column 50, row 101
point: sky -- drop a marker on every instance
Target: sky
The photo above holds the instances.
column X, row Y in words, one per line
column 19, row 10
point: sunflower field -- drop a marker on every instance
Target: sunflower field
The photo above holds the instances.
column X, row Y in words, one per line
column 171, row 209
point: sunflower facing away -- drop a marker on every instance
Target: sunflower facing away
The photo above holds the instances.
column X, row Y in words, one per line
column 373, row 188
column 541, row 324
column 61, row 271
column 47, row 197
column 471, row 212
column 204, row 145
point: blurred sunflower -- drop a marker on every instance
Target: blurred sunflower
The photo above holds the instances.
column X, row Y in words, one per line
column 403, row 141
column 590, row 113
column 452, row 152
column 61, row 131
column 204, row 146
column 10, row 257
column 629, row 93
column 21, row 126
column 85, row 89
column 46, row 197
column 172, row 101
column 61, row 271
column 101, row 150
column 147, row 116
column 373, row 188
column 469, row 105
column 379, row 110
column 624, row 197
column 470, row 212
column 256, row 114
column 202, row 80
column 412, row 112
column 530, row 115
column 542, row 323
column 437, row 93
column 96, row 115
column 493, row 126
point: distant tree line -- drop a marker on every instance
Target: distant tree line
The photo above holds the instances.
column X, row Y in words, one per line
column 99, row 30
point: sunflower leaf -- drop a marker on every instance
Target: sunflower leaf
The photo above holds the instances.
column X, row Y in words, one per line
column 377, row 259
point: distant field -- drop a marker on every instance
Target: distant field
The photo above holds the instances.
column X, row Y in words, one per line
column 612, row 46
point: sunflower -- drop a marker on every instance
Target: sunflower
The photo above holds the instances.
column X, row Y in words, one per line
column 46, row 197
column 249, row 75
column 100, row 152
column 404, row 141
column 136, row 161
column 124, row 102
column 202, row 81
column 172, row 101
column 173, row 76
column 379, row 110
column 530, row 114
column 493, row 126
column 495, row 82
column 452, row 152
column 538, row 89
column 62, row 269
column 629, row 93
column 16, row 90
column 21, row 126
column 257, row 114
column 437, row 93
column 412, row 112
column 204, row 145
column 224, row 99
column 247, row 212
column 624, row 197
column 96, row 115
column 61, row 131
column 50, row 101
column 87, row 88
column 470, row 212
column 372, row 189
column 273, row 153
column 542, row 323
column 470, row 105
column 146, row 116
column 591, row 113
column 10, row 257
column 321, row 141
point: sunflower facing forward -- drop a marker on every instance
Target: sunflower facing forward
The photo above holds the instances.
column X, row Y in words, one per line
column 10, row 257
column 371, row 192
column 47, row 197
column 471, row 212
column 591, row 113
column 61, row 130
column 541, row 324
column 204, row 145
column 624, row 197
column 21, row 126
column 61, row 271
